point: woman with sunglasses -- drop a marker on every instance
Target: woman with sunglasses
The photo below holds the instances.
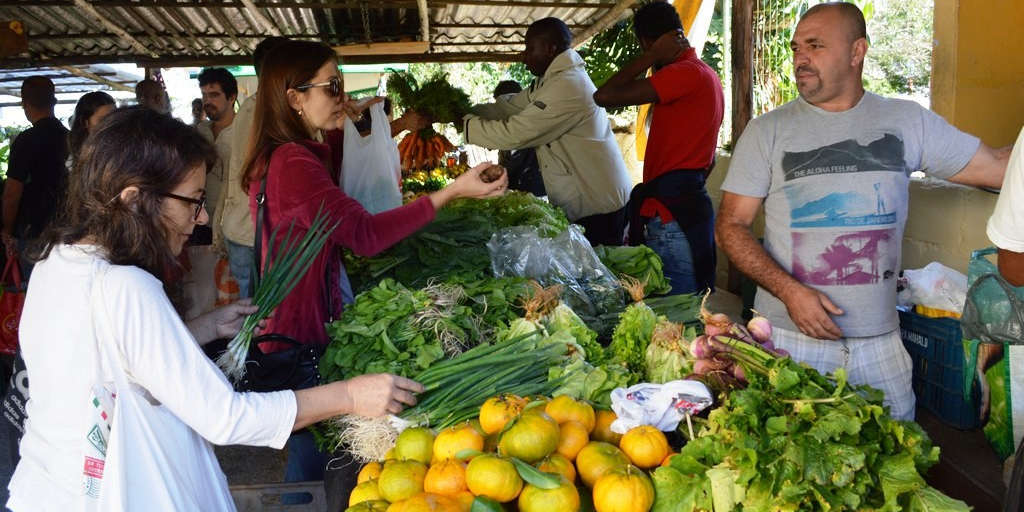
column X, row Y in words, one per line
column 124, row 402
column 302, row 95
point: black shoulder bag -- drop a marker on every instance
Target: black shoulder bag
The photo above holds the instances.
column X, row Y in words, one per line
column 292, row 368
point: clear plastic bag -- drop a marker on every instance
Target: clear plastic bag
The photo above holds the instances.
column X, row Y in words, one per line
column 588, row 286
column 370, row 168
column 936, row 286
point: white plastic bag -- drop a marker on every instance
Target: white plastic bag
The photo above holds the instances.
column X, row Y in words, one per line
column 370, row 167
column 662, row 406
column 936, row 286
column 153, row 460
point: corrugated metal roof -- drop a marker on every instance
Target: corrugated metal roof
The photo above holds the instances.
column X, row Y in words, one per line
column 224, row 32
column 80, row 80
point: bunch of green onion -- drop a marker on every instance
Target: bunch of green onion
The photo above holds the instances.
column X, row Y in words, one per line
column 455, row 389
column 283, row 267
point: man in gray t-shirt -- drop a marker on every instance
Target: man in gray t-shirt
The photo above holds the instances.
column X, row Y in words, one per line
column 832, row 169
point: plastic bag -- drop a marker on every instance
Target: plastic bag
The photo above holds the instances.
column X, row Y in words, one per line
column 370, row 169
column 936, row 286
column 660, row 405
column 588, row 287
column 993, row 330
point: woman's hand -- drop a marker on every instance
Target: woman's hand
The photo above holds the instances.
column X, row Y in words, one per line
column 227, row 320
column 469, row 184
column 379, row 394
column 223, row 322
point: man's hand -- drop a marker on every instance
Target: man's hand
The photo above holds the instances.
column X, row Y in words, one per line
column 668, row 47
column 810, row 310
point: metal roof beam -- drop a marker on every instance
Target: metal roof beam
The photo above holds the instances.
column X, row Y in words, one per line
column 91, row 11
column 52, row 77
column 95, row 78
column 245, row 60
column 316, row 5
column 604, row 22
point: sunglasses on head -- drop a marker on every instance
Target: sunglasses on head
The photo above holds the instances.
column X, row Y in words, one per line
column 333, row 86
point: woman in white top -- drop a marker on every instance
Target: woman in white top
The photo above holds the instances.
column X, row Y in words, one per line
column 124, row 404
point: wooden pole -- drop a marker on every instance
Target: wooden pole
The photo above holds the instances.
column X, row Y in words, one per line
column 742, row 65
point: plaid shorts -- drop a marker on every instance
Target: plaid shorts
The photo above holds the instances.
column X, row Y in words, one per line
column 878, row 361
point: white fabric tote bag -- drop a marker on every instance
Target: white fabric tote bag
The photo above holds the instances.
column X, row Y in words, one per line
column 154, row 461
column 370, row 168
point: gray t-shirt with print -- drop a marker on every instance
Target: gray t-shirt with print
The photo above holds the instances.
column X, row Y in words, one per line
column 836, row 188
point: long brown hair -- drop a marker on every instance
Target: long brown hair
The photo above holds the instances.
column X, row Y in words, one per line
column 131, row 147
column 286, row 66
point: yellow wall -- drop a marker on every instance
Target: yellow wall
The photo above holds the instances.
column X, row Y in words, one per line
column 978, row 68
column 978, row 86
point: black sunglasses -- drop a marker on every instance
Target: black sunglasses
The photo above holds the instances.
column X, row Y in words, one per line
column 199, row 203
column 333, row 86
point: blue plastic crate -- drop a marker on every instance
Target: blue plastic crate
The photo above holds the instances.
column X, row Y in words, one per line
column 936, row 348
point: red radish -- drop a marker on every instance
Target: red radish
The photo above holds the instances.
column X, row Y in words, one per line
column 760, row 328
column 781, row 352
column 700, row 348
column 714, row 324
column 737, row 371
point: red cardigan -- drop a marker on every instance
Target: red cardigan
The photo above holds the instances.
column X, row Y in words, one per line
column 298, row 182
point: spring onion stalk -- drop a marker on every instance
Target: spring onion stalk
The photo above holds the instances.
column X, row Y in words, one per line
column 283, row 267
column 456, row 388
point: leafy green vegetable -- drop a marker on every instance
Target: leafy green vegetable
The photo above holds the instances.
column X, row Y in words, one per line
column 454, row 244
column 639, row 262
column 796, row 440
column 563, row 318
column 631, row 336
column 584, row 381
column 666, row 356
column 391, row 328
column 436, row 97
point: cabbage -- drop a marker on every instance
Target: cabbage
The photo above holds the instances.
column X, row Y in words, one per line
column 564, row 318
column 666, row 357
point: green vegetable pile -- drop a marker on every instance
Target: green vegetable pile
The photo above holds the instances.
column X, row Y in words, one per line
column 456, row 388
column 394, row 329
column 436, row 97
column 796, row 440
column 639, row 262
column 455, row 243
column 632, row 335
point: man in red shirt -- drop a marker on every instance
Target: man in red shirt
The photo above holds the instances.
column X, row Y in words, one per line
column 671, row 211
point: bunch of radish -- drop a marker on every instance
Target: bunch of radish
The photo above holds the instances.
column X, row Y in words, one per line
column 717, row 351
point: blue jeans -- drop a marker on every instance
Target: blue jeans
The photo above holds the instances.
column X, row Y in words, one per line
column 305, row 464
column 241, row 259
column 670, row 243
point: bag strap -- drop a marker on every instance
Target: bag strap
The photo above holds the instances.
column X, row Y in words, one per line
column 980, row 253
column 261, row 201
column 12, row 272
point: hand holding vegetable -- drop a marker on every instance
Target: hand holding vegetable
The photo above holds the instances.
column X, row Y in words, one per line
column 470, row 184
column 379, row 394
column 223, row 322
column 810, row 310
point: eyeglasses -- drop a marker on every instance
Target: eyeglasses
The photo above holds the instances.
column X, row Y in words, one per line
column 333, row 86
column 199, row 203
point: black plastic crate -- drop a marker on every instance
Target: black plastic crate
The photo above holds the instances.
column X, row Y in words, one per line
column 936, row 348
